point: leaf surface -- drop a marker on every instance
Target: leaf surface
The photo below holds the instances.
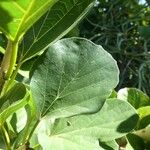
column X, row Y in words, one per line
column 83, row 131
column 57, row 22
column 134, row 96
column 17, row 16
column 74, row 76
column 15, row 99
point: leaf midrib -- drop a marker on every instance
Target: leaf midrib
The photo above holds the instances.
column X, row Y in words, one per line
column 26, row 17
column 50, row 29
column 19, row 7
column 59, row 93
column 23, row 20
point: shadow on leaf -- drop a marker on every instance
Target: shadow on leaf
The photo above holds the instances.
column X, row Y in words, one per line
column 5, row 18
column 128, row 124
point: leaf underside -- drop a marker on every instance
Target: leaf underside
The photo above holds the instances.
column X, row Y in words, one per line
column 74, row 76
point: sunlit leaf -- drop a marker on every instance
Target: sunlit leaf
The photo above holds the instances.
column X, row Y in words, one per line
column 74, row 76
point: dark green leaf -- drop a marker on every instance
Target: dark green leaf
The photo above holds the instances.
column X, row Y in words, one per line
column 15, row 99
column 110, row 145
column 57, row 22
column 136, row 142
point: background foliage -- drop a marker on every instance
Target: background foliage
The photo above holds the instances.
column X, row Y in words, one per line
column 123, row 29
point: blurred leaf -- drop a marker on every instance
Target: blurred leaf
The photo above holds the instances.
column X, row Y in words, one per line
column 144, row 133
column 134, row 96
column 136, row 142
column 32, row 119
column 110, row 145
column 2, row 50
column 113, row 94
column 73, row 33
column 15, row 99
column 144, row 32
column 2, row 143
column 144, row 113
column 17, row 92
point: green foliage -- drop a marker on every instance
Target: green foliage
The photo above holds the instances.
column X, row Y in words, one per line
column 123, row 29
column 67, row 103
column 70, row 79
column 18, row 16
column 82, row 132
column 58, row 21
column 140, row 101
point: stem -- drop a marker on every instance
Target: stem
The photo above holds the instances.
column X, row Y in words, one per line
column 10, row 82
column 6, row 138
column 14, row 50
column 5, row 64
column 6, row 58
column 8, row 62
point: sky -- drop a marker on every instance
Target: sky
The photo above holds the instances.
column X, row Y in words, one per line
column 142, row 1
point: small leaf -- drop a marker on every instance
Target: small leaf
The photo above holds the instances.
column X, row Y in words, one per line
column 144, row 114
column 56, row 23
column 144, row 133
column 114, row 120
column 136, row 142
column 134, row 96
column 74, row 76
column 15, row 99
column 110, row 145
column 2, row 50
column 17, row 92
column 18, row 15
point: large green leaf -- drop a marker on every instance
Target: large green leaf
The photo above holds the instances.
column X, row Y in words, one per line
column 134, row 96
column 15, row 99
column 74, row 76
column 115, row 119
column 18, row 15
column 58, row 21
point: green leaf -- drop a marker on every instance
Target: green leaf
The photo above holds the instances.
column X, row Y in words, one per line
column 17, row 92
column 110, row 145
column 144, row 32
column 2, row 50
column 144, row 133
column 136, row 142
column 15, row 99
column 2, row 143
column 31, row 122
column 134, row 96
column 113, row 94
column 82, row 132
column 74, row 76
column 17, row 16
column 57, row 22
column 144, row 114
